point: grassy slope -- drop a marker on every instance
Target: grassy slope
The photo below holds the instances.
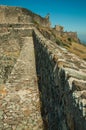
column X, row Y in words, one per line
column 78, row 49
column 72, row 46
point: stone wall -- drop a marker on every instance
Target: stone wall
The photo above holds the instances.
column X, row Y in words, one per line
column 72, row 35
column 10, row 46
column 59, row 31
column 20, row 15
column 61, row 74
column 59, row 28
column 62, row 86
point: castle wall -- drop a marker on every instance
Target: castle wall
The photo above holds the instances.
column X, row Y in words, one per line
column 62, row 86
column 61, row 74
column 20, row 15
column 59, row 28
column 59, row 31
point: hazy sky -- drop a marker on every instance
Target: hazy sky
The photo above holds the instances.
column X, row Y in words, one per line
column 69, row 13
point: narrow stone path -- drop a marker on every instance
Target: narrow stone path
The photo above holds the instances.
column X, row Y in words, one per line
column 19, row 97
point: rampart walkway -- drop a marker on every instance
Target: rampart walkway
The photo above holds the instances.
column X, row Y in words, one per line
column 19, row 98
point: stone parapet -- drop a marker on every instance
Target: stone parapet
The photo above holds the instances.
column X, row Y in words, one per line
column 62, row 85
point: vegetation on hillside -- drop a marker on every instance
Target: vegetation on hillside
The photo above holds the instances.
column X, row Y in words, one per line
column 67, row 42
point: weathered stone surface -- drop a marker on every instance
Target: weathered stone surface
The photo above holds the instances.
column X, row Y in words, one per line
column 61, row 77
column 62, row 85
column 21, row 102
column 21, row 16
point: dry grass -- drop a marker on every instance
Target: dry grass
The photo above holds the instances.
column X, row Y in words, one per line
column 78, row 49
column 74, row 47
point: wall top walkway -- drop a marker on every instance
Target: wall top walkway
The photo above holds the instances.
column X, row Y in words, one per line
column 19, row 96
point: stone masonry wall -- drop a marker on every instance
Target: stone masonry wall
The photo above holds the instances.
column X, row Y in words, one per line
column 10, row 46
column 19, row 95
column 62, row 86
column 13, row 15
column 61, row 74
